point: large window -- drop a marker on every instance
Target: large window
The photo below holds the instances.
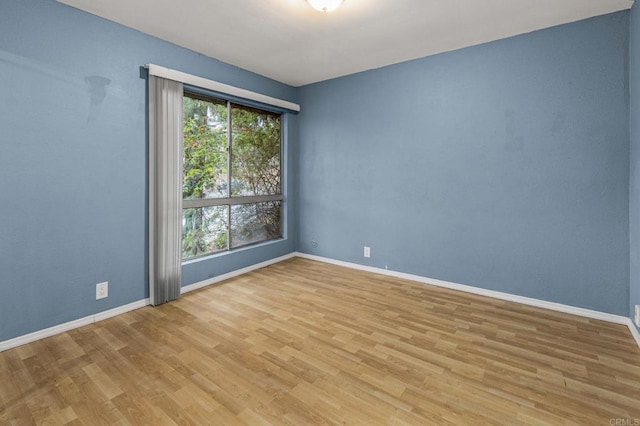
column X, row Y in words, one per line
column 232, row 182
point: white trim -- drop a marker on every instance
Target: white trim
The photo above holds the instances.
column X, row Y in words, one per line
column 219, row 278
column 194, row 80
column 91, row 319
column 634, row 331
column 67, row 326
column 559, row 307
column 100, row 316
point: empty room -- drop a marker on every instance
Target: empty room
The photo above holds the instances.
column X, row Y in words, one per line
column 339, row 212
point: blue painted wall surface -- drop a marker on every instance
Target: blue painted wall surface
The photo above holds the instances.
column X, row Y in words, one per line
column 503, row 166
column 634, row 157
column 73, row 163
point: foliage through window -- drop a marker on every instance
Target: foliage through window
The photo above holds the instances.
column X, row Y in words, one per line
column 232, row 179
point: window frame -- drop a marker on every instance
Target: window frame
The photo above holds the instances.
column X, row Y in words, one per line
column 230, row 200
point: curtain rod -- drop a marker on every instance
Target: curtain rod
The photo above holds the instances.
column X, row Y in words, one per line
column 216, row 86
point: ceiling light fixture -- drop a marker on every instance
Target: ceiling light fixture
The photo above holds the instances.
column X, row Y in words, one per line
column 325, row 5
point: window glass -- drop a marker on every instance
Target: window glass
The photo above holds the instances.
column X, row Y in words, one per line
column 205, row 149
column 255, row 222
column 204, row 231
column 232, row 178
column 255, row 154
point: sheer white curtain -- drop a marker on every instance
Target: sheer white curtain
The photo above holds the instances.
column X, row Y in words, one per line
column 165, row 189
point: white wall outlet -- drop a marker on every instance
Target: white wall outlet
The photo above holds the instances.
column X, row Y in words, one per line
column 367, row 251
column 102, row 290
column 638, row 315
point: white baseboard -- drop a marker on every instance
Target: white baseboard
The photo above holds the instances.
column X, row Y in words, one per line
column 634, row 331
column 235, row 273
column 588, row 313
column 67, row 326
column 91, row 319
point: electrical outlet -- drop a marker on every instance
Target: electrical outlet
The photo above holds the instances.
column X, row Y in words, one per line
column 638, row 315
column 367, row 251
column 102, row 290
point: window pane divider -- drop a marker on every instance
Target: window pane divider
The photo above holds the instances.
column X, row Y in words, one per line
column 229, row 164
column 233, row 201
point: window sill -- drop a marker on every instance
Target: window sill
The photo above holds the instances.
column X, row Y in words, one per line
column 234, row 251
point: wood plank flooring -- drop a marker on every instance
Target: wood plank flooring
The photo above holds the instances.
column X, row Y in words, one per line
column 302, row 342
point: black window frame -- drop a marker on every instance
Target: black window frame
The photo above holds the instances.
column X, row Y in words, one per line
column 230, row 200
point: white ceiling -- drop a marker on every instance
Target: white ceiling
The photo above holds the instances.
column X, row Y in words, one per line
column 288, row 41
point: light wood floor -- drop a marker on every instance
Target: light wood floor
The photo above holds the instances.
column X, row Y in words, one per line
column 302, row 342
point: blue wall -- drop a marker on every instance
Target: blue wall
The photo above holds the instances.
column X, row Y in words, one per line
column 634, row 158
column 73, row 163
column 502, row 166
